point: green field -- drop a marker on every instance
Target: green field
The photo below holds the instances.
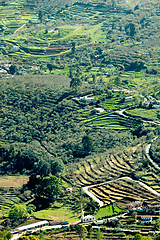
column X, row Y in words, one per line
column 107, row 211
column 150, row 114
column 62, row 213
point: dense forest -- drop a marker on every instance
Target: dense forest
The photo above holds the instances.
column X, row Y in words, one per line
column 41, row 127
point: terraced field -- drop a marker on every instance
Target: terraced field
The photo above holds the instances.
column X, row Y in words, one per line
column 111, row 120
column 57, row 48
column 8, row 197
column 103, row 168
column 122, row 190
column 111, row 168
column 92, row 234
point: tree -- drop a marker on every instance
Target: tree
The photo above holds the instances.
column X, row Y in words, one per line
column 94, row 78
column 70, row 73
column 117, row 81
column 31, row 208
column 130, row 29
column 82, row 231
column 138, row 237
column 18, row 211
column 49, row 66
column 134, row 215
column 99, row 235
column 49, row 186
column 5, row 235
column 57, row 166
column 157, row 237
column 12, row 69
column 75, row 82
column 73, row 47
column 40, row 15
column 87, row 142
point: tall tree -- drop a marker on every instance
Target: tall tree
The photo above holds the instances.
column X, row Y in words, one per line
column 12, row 69
column 82, row 231
column 50, row 187
column 18, row 211
column 75, row 82
column 87, row 142
column 99, row 235
column 73, row 47
column 40, row 15
column 49, row 66
column 5, row 235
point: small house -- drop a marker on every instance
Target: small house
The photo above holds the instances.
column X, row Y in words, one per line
column 156, row 106
column 129, row 98
column 100, row 110
column 22, row 70
column 15, row 49
column 2, row 71
column 85, row 98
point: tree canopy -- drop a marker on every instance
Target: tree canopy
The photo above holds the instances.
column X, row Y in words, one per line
column 18, row 211
column 49, row 187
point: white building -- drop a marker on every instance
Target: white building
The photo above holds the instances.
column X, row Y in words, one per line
column 156, row 106
column 85, row 98
column 33, row 226
column 129, row 98
column 99, row 110
column 2, row 71
column 87, row 218
column 146, row 219
column 15, row 49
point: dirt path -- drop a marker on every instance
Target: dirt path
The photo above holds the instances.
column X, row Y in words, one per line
column 20, row 28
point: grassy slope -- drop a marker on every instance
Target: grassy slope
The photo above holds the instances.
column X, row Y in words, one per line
column 62, row 213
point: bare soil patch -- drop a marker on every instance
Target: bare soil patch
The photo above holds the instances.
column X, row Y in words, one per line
column 13, row 182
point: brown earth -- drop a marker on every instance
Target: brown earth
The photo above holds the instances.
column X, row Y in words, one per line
column 13, row 182
column 57, row 48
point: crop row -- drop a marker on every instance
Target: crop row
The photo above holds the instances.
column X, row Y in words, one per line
column 122, row 190
column 103, row 169
column 111, row 120
column 106, row 168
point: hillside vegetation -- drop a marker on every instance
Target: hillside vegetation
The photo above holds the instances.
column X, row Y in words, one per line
column 79, row 105
column 42, row 127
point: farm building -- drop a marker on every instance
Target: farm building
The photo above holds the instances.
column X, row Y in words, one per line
column 33, row 226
